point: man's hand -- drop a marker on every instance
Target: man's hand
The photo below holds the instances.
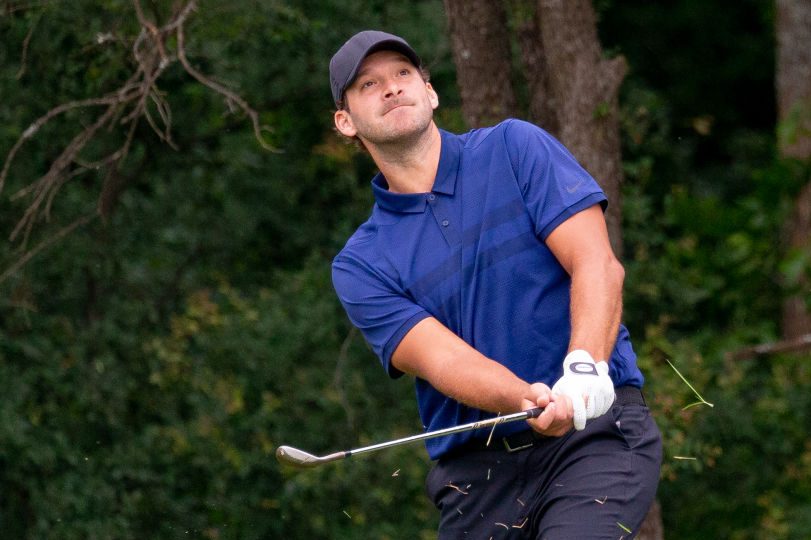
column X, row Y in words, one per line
column 587, row 384
column 556, row 419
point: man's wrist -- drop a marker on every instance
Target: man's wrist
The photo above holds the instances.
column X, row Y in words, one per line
column 579, row 362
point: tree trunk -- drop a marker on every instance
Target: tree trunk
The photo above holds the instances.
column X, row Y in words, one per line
column 542, row 105
column 796, row 318
column 586, row 89
column 652, row 528
column 793, row 30
column 481, row 52
column 793, row 81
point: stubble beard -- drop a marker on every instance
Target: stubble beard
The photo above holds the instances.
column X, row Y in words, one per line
column 396, row 136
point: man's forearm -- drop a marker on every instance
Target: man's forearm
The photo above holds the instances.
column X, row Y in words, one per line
column 582, row 247
column 433, row 353
column 480, row 382
column 596, row 307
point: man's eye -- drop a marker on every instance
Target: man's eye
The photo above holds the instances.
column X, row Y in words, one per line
column 367, row 84
column 404, row 72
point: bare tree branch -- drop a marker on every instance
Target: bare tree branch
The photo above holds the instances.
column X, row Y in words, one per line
column 165, row 113
column 55, row 177
column 24, row 53
column 22, row 261
column 137, row 98
column 229, row 95
column 10, row 7
column 112, row 99
column 799, row 344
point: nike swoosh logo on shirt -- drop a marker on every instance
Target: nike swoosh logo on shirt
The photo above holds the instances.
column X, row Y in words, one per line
column 572, row 189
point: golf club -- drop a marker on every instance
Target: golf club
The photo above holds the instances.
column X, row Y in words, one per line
column 301, row 459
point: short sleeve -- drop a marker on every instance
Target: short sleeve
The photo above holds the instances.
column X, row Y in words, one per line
column 376, row 306
column 553, row 184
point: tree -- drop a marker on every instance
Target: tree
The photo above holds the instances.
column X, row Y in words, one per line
column 155, row 48
column 793, row 84
column 573, row 90
column 481, row 52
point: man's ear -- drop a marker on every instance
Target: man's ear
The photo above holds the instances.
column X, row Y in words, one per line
column 433, row 97
column 344, row 124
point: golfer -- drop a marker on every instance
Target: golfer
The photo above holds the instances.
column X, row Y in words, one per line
column 486, row 273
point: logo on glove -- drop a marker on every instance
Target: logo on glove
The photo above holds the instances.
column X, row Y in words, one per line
column 583, row 368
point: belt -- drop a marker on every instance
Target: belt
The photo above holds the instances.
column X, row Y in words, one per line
column 625, row 395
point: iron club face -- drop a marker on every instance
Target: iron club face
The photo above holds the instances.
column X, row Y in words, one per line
column 304, row 460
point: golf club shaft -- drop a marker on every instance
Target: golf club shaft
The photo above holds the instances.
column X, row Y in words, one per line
column 490, row 422
column 300, row 458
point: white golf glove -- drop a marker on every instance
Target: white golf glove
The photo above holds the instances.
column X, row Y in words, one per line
column 582, row 376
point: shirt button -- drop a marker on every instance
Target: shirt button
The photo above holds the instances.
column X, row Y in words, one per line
column 445, row 222
column 431, row 197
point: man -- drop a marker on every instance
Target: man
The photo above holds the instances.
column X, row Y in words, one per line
column 485, row 272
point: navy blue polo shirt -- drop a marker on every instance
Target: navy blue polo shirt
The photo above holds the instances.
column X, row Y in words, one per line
column 471, row 253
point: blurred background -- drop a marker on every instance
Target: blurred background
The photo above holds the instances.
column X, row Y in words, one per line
column 172, row 194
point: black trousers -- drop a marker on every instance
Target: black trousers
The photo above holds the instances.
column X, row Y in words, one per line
column 590, row 484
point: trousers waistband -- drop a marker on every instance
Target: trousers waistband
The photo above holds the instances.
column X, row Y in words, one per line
column 625, row 395
column 629, row 395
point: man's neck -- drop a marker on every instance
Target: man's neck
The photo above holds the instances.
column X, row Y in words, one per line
column 410, row 167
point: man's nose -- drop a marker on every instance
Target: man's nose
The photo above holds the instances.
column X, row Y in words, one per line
column 392, row 89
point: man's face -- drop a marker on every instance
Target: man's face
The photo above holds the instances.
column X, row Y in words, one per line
column 387, row 102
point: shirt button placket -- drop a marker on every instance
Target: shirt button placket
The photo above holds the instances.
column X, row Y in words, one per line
column 439, row 206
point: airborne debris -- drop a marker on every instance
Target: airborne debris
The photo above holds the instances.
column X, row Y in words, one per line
column 685, row 457
column 346, row 514
column 701, row 401
column 601, row 501
column 624, row 528
column 520, row 502
column 502, row 525
column 457, row 488
column 522, row 524
column 396, row 473
column 488, row 474
column 490, row 437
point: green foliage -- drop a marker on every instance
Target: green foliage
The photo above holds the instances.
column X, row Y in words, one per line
column 238, row 376
column 704, row 274
column 796, row 125
column 177, row 432
column 152, row 362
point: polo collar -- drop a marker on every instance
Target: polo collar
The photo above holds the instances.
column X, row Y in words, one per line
column 405, row 203
column 445, row 182
column 449, row 159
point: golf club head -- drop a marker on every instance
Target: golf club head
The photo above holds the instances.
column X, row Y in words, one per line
column 304, row 460
column 295, row 457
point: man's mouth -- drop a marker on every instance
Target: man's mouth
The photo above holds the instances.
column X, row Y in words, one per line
column 392, row 107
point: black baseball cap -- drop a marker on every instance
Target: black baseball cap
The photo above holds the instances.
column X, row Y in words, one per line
column 345, row 63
